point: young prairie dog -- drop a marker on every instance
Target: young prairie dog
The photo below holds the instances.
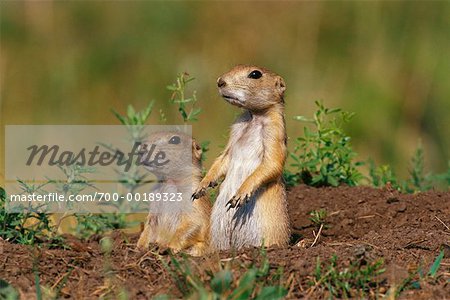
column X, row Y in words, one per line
column 251, row 208
column 182, row 226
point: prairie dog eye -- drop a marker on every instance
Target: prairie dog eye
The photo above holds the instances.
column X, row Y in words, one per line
column 255, row 74
column 175, row 140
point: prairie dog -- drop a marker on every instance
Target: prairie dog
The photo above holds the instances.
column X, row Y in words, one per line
column 183, row 228
column 251, row 208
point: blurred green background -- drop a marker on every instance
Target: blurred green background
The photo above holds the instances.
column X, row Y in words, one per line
column 71, row 62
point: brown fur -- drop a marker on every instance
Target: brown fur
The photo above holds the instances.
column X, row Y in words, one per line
column 251, row 207
column 189, row 230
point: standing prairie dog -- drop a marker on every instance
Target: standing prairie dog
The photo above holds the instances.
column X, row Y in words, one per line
column 251, row 208
column 179, row 226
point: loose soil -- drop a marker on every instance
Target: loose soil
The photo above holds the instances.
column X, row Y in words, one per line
column 365, row 224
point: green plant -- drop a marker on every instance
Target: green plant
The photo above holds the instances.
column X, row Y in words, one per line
column 436, row 265
column 353, row 281
column 324, row 156
column 90, row 224
column 37, row 281
column 257, row 282
column 87, row 224
column 29, row 227
column 443, row 178
column 205, row 148
column 416, row 279
column 418, row 181
column 382, row 175
column 75, row 183
column 290, row 178
column 186, row 105
column 76, row 180
column 33, row 224
column 135, row 120
column 7, row 291
column 318, row 216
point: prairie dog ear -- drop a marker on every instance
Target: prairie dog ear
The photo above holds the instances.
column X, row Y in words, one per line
column 196, row 151
column 280, row 85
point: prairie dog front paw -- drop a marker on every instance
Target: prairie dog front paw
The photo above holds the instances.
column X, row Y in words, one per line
column 201, row 190
column 238, row 200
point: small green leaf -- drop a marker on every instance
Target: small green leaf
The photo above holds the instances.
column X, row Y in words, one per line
column 7, row 291
column 332, row 180
column 183, row 113
column 119, row 117
column 333, row 110
column 272, row 292
column 245, row 287
column 303, row 119
column 222, row 281
column 146, row 113
column 2, row 194
column 130, row 111
column 316, row 179
column 437, row 263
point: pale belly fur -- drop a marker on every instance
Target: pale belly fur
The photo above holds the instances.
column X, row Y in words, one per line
column 166, row 215
column 241, row 226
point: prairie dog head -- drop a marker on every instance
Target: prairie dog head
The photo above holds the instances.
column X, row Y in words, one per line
column 251, row 87
column 175, row 150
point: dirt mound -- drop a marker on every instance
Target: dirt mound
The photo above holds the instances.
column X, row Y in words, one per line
column 361, row 223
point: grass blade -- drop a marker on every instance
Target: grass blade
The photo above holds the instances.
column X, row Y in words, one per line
column 437, row 263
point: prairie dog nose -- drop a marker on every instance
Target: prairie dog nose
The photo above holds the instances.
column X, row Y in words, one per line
column 221, row 82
